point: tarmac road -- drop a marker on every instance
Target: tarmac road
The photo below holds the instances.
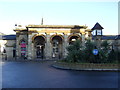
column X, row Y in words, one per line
column 43, row 75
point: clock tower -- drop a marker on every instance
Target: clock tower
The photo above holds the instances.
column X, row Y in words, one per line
column 97, row 33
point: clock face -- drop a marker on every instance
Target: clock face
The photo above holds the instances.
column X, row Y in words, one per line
column 99, row 32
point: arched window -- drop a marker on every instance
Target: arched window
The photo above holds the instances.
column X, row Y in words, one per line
column 73, row 38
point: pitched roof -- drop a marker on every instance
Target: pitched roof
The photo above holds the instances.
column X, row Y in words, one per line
column 9, row 37
column 97, row 26
column 107, row 37
column 117, row 37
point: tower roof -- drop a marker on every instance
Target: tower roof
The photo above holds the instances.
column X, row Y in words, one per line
column 97, row 26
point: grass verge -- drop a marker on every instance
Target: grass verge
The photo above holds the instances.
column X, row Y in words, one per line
column 78, row 66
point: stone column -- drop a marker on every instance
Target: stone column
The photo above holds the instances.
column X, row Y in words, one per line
column 83, row 39
column 17, row 46
column 83, row 36
column 32, row 50
column 29, row 49
column 45, row 48
column 48, row 47
column 66, row 43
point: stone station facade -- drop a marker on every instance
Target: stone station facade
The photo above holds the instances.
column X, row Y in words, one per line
column 48, row 41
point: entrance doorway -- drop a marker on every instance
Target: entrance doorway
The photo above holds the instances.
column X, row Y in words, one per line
column 39, row 51
column 39, row 45
column 57, row 47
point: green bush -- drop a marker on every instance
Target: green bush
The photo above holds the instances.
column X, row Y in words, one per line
column 114, row 56
column 105, row 46
column 102, row 56
column 103, row 52
column 76, row 53
column 88, row 56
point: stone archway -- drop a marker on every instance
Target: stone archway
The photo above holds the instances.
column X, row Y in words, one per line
column 73, row 38
column 57, row 46
column 39, row 47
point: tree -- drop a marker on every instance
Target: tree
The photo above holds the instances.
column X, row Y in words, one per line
column 74, row 51
column 103, row 52
column 89, row 46
column 114, row 56
column 105, row 46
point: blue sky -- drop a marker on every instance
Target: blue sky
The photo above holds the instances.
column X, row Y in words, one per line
column 59, row 13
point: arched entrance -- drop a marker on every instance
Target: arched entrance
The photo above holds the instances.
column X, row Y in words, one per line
column 73, row 38
column 39, row 45
column 57, row 46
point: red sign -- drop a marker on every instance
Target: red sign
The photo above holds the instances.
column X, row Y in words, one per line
column 23, row 45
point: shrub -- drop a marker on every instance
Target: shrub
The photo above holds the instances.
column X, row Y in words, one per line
column 103, row 52
column 89, row 46
column 74, row 51
column 114, row 56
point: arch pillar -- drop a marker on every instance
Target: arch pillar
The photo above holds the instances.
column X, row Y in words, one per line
column 17, row 46
column 65, row 44
column 30, row 48
column 83, row 36
column 48, row 50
